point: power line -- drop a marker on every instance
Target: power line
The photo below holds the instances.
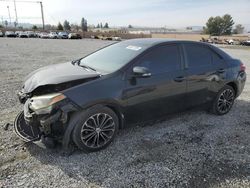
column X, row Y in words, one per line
column 22, row 17
column 23, row 1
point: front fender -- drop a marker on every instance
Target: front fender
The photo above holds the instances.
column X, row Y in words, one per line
column 70, row 127
column 75, row 117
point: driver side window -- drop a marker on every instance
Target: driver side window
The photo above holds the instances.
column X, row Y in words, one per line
column 161, row 59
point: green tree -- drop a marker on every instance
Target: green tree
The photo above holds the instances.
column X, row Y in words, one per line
column 106, row 25
column 66, row 25
column 34, row 27
column 101, row 25
column 84, row 24
column 219, row 25
column 227, row 24
column 130, row 26
column 1, row 26
column 213, row 25
column 59, row 27
column 239, row 29
column 98, row 26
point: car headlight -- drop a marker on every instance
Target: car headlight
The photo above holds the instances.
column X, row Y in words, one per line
column 43, row 104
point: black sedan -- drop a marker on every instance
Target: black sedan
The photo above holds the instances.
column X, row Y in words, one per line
column 85, row 102
column 10, row 34
column 246, row 43
column 74, row 36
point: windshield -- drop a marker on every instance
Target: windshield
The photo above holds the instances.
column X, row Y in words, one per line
column 111, row 58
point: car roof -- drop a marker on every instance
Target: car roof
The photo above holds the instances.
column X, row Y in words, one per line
column 148, row 42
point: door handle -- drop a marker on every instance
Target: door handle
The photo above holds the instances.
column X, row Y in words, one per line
column 221, row 70
column 179, row 79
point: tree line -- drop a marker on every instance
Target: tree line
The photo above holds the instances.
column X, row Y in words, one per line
column 83, row 25
column 215, row 26
column 222, row 25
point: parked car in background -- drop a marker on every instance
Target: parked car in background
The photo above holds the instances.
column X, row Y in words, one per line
column 85, row 102
column 107, row 38
column 230, row 41
column 23, row 34
column 74, row 36
column 44, row 35
column 1, row 33
column 17, row 33
column 10, row 34
column 53, row 35
column 63, row 35
column 96, row 36
column 246, row 43
column 117, row 38
column 31, row 34
column 38, row 34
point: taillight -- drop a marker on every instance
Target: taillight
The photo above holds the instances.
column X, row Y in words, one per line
column 242, row 67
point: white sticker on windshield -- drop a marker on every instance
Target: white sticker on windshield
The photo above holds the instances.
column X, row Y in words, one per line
column 136, row 48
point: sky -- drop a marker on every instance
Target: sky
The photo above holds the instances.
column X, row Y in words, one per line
column 149, row 13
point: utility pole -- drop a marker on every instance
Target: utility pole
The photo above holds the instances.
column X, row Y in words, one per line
column 9, row 13
column 15, row 12
column 41, row 3
column 26, row 1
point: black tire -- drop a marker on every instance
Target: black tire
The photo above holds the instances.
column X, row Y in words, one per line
column 99, row 136
column 223, row 101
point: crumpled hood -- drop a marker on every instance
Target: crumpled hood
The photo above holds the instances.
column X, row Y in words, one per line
column 56, row 74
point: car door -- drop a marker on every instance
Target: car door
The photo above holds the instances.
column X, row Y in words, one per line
column 161, row 93
column 200, row 71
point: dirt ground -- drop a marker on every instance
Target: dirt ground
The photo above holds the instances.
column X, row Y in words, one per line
column 191, row 149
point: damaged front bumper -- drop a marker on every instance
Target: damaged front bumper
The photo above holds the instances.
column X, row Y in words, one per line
column 43, row 129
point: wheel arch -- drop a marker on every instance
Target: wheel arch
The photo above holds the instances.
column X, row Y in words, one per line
column 234, row 86
column 66, row 141
column 113, row 105
column 118, row 112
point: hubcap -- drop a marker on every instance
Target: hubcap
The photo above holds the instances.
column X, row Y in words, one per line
column 97, row 130
column 225, row 101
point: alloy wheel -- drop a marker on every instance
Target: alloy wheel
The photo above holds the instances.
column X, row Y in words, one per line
column 225, row 101
column 97, row 130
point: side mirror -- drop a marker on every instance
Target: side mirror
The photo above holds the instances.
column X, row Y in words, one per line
column 141, row 72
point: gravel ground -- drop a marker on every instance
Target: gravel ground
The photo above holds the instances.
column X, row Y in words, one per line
column 191, row 149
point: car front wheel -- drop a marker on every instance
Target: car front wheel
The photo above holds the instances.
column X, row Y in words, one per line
column 95, row 129
column 223, row 101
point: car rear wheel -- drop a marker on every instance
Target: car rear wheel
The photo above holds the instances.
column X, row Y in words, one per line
column 223, row 101
column 96, row 129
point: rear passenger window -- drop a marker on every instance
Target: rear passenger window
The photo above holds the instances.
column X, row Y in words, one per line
column 162, row 59
column 216, row 58
column 198, row 55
